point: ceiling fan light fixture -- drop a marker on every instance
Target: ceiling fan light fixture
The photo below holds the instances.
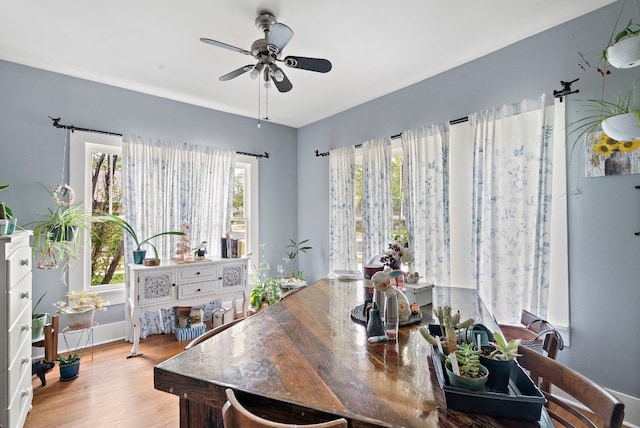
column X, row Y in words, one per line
column 277, row 72
column 256, row 71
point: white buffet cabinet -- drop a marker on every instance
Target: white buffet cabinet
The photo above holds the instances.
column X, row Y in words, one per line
column 182, row 284
column 15, row 329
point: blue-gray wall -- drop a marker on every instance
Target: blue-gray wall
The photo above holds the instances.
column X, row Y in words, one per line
column 604, row 265
column 604, row 253
column 32, row 150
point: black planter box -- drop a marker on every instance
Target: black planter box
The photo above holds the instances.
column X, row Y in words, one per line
column 523, row 400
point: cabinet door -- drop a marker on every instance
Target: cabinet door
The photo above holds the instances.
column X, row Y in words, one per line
column 155, row 286
column 234, row 276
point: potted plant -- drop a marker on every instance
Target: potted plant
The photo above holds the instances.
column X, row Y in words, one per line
column 290, row 277
column 138, row 254
column 470, row 374
column 5, row 214
column 449, row 323
column 80, row 309
column 625, row 50
column 499, row 358
column 69, row 366
column 266, row 290
column 38, row 320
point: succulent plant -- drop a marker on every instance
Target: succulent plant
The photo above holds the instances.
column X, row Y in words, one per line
column 450, row 323
column 504, row 351
column 468, row 360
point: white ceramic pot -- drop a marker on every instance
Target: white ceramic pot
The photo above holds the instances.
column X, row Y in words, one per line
column 625, row 53
column 4, row 225
column 623, row 127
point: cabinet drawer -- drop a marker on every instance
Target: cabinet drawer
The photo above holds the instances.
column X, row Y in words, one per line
column 18, row 333
column 198, row 273
column 18, row 265
column 191, row 290
column 20, row 297
column 19, row 366
column 234, row 276
column 20, row 404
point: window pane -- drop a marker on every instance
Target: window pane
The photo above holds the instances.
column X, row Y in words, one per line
column 238, row 193
column 107, row 261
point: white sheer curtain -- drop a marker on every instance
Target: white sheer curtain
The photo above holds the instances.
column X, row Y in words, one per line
column 426, row 195
column 342, row 227
column 512, row 206
column 167, row 183
column 377, row 211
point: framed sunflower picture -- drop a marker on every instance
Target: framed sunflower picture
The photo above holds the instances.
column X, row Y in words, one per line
column 606, row 156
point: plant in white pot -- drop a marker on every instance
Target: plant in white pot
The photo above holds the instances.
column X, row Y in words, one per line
column 80, row 309
column 625, row 50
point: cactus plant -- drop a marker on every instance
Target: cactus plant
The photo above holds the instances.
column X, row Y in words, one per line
column 468, row 360
column 449, row 324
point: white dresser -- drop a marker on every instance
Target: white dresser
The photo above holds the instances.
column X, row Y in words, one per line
column 15, row 329
column 187, row 284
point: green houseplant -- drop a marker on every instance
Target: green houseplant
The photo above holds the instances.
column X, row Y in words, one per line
column 55, row 234
column 449, row 323
column 624, row 51
column 139, row 253
column 38, row 320
column 69, row 366
column 499, row 359
column 266, row 289
column 5, row 214
column 472, row 375
column 290, row 277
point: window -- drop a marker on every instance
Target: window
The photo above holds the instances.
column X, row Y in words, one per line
column 96, row 176
column 397, row 198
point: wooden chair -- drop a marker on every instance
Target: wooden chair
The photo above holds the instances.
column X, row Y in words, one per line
column 212, row 333
column 234, row 415
column 608, row 409
column 50, row 340
column 537, row 334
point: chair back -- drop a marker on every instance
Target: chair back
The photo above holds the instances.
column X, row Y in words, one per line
column 235, row 415
column 537, row 334
column 206, row 335
column 607, row 408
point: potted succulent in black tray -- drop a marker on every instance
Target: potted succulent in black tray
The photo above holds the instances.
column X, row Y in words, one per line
column 499, row 358
column 471, row 374
column 69, row 366
column 138, row 254
column 449, row 323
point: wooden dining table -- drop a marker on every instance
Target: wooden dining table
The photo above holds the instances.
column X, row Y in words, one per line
column 307, row 359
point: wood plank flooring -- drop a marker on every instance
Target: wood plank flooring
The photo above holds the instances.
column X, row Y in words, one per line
column 110, row 391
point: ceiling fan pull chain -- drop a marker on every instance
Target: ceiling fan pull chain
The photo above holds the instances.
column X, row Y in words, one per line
column 259, row 84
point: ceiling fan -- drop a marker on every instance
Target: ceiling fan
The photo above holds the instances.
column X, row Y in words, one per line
column 268, row 51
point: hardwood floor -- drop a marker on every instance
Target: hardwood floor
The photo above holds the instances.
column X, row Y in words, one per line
column 110, row 391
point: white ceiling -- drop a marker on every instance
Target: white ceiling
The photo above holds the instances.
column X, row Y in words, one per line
column 376, row 46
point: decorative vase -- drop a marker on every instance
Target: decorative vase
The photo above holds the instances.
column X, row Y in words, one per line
column 374, row 322
column 138, row 256
column 57, row 234
column 69, row 371
column 4, row 225
column 625, row 53
column 12, row 225
column 622, row 127
column 617, row 163
column 470, row 383
column 80, row 320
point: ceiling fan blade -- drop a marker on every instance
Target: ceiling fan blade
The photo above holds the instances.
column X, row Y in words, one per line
column 224, row 45
column 279, row 36
column 284, row 85
column 313, row 64
column 236, row 73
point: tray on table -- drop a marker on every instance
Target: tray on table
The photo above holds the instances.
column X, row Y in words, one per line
column 359, row 314
column 522, row 401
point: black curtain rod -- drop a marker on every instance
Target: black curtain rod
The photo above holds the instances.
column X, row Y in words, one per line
column 57, row 124
column 396, row 136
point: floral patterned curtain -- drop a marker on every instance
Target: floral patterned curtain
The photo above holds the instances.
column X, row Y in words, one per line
column 426, row 195
column 342, row 227
column 166, row 184
column 512, row 201
column 377, row 212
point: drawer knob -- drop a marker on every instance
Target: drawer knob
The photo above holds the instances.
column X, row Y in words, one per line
column 25, row 360
column 24, row 327
column 197, row 273
column 24, row 295
column 24, row 262
column 25, row 392
column 199, row 290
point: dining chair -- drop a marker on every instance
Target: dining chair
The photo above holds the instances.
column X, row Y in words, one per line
column 235, row 415
column 206, row 335
column 607, row 408
column 535, row 333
